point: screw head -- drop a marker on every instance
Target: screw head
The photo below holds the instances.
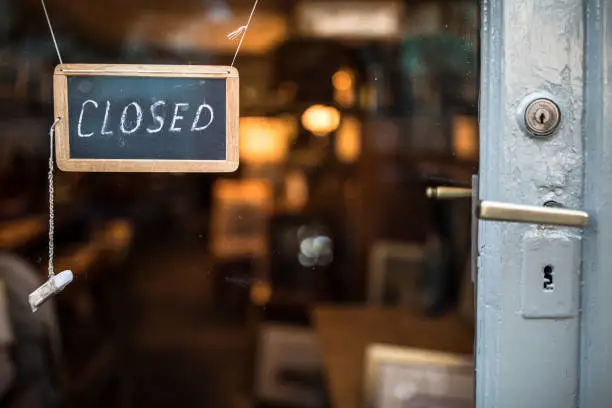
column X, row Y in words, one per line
column 542, row 117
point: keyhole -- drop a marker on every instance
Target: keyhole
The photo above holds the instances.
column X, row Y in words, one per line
column 542, row 116
column 549, row 284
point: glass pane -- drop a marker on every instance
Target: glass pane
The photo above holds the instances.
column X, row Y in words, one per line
column 317, row 275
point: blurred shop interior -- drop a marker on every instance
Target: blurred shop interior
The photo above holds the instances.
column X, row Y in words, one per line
column 267, row 287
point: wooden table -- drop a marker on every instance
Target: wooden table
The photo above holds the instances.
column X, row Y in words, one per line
column 345, row 332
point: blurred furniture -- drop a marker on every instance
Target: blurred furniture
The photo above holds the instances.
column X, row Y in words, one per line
column 345, row 333
column 397, row 377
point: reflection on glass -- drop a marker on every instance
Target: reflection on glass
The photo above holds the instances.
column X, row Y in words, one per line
column 315, row 249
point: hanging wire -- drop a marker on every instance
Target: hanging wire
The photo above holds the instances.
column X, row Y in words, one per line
column 51, row 30
column 242, row 30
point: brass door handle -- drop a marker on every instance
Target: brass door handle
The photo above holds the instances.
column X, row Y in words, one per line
column 494, row 211
column 447, row 193
column 507, row 212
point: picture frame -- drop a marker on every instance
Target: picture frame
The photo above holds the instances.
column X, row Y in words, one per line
column 241, row 210
column 395, row 270
column 286, row 356
column 400, row 377
column 358, row 20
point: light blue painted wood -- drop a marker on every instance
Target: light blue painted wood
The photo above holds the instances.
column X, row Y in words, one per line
column 596, row 358
column 527, row 46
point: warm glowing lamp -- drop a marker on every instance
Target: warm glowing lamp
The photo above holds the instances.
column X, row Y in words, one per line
column 321, row 120
column 343, row 80
column 348, row 140
column 344, row 90
column 265, row 140
column 296, row 190
column 465, row 137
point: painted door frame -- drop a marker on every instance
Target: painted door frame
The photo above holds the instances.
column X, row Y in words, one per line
column 538, row 348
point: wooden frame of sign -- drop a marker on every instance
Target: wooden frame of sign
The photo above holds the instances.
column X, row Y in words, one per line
column 171, row 159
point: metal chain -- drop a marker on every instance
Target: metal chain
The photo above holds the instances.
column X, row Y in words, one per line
column 51, row 198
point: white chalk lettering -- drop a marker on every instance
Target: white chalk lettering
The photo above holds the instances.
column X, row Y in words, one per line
column 195, row 127
column 177, row 117
column 80, row 130
column 104, row 131
column 138, row 118
column 157, row 118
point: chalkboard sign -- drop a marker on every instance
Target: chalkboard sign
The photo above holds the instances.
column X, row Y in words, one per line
column 146, row 118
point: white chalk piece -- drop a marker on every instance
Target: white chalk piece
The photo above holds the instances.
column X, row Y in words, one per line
column 53, row 286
